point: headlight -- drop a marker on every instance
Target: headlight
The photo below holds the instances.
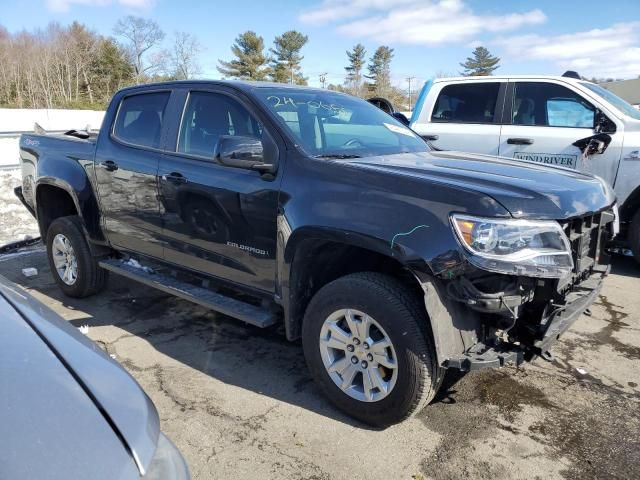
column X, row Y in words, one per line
column 515, row 247
column 167, row 462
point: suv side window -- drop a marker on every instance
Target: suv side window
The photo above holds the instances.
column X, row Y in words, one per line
column 467, row 103
column 550, row 105
column 139, row 120
column 207, row 116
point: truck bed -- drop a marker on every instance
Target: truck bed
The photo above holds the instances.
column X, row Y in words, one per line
column 44, row 154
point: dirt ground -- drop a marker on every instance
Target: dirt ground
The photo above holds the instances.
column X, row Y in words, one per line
column 240, row 405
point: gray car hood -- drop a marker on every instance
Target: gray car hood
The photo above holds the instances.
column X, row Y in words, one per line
column 84, row 378
column 525, row 189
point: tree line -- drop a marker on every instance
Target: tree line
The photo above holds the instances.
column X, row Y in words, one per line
column 282, row 63
column 74, row 67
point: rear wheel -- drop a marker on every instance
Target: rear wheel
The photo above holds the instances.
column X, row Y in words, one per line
column 634, row 235
column 74, row 268
column 367, row 346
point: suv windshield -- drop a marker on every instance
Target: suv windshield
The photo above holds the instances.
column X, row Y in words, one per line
column 622, row 105
column 333, row 125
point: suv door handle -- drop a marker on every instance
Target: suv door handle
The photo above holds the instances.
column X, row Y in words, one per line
column 174, row 177
column 520, row 141
column 109, row 165
column 430, row 138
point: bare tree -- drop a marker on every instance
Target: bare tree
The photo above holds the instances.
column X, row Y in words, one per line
column 141, row 35
column 184, row 56
column 60, row 67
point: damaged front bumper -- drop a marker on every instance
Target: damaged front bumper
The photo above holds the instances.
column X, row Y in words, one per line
column 558, row 322
column 483, row 320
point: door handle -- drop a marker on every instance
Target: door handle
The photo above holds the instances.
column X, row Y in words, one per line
column 430, row 138
column 174, row 177
column 109, row 165
column 520, row 141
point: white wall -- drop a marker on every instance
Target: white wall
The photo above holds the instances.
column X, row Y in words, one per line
column 16, row 121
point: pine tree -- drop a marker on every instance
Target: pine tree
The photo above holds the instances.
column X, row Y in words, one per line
column 250, row 62
column 482, row 63
column 287, row 58
column 354, row 69
column 380, row 70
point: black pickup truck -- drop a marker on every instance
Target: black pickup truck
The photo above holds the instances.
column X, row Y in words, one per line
column 313, row 209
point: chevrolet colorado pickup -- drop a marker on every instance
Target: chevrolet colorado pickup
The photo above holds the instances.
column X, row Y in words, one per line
column 315, row 210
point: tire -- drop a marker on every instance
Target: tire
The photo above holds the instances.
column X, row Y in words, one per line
column 634, row 236
column 89, row 278
column 403, row 320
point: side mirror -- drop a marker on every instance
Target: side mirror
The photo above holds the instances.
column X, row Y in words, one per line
column 242, row 152
column 401, row 117
column 602, row 123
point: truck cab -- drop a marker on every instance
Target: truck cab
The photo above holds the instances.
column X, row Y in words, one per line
column 554, row 120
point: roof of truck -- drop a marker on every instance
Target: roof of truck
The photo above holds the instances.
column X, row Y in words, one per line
column 244, row 85
column 508, row 77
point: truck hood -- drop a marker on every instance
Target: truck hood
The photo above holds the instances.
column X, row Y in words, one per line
column 111, row 391
column 525, row 189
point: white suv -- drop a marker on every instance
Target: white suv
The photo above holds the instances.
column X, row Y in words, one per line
column 563, row 121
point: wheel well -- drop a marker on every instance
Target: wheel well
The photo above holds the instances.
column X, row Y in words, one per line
column 317, row 263
column 52, row 202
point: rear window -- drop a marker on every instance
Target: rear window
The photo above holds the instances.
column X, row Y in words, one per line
column 467, row 103
column 139, row 120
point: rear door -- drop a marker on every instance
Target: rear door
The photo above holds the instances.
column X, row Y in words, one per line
column 542, row 121
column 127, row 160
column 218, row 220
column 464, row 116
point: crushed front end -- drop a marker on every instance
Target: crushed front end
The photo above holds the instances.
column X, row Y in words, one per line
column 504, row 317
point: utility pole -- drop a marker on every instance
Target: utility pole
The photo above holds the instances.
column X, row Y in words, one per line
column 323, row 79
column 410, row 79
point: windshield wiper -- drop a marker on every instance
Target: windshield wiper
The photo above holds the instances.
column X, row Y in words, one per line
column 341, row 156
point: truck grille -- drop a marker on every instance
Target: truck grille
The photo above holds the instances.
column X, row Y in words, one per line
column 588, row 236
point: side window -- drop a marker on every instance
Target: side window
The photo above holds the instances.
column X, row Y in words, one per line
column 139, row 119
column 207, row 116
column 473, row 102
column 550, row 105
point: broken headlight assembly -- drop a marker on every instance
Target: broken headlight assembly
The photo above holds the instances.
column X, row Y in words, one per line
column 515, row 247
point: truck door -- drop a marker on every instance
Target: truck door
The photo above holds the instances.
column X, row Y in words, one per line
column 126, row 165
column 218, row 220
column 542, row 121
column 464, row 117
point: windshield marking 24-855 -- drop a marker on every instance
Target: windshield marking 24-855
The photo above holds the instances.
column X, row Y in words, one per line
column 327, row 124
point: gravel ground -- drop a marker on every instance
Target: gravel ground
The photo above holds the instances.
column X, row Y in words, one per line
column 240, row 405
column 16, row 223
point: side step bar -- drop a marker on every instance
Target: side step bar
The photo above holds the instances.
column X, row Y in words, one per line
column 229, row 306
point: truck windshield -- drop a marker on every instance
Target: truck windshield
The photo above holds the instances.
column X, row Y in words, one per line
column 333, row 125
column 622, row 105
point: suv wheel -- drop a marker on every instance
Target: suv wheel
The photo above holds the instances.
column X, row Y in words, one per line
column 74, row 268
column 366, row 343
column 634, row 236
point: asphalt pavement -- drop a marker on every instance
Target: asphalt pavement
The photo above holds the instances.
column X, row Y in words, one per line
column 239, row 403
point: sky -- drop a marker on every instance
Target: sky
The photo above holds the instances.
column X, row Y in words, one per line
column 430, row 37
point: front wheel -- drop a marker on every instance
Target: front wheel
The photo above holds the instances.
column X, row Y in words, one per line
column 74, row 268
column 367, row 345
